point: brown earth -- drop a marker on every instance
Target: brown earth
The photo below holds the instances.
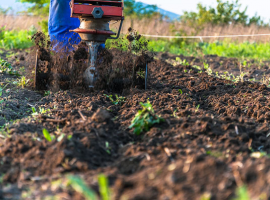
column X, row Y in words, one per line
column 204, row 149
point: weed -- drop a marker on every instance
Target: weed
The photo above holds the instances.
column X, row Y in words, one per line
column 40, row 111
column 6, row 68
column 145, row 119
column 180, row 91
column 47, row 93
column 242, row 193
column 80, row 186
column 16, row 39
column 22, row 82
column 104, row 187
column 69, row 137
column 178, row 61
column 196, row 67
column 107, row 145
column 174, row 113
column 50, row 137
column 47, row 135
column 197, row 108
column 208, row 69
column 141, row 74
column 119, row 100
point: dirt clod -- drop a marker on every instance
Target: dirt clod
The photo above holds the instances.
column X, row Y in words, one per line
column 101, row 115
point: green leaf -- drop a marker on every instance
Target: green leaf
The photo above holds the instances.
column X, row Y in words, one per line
column 144, row 119
column 47, row 135
column 242, row 193
column 80, row 186
column 33, row 109
column 103, row 187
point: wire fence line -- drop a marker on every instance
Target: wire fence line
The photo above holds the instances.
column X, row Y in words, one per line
column 202, row 37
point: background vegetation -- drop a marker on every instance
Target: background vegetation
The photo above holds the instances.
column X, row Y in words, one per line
column 227, row 18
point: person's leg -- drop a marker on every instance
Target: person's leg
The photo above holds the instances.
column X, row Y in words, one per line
column 60, row 23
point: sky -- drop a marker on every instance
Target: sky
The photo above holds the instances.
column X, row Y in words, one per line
column 178, row 6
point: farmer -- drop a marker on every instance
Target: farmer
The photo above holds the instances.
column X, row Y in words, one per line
column 60, row 23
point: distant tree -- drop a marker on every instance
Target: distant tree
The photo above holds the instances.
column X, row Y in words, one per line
column 139, row 10
column 40, row 7
column 4, row 11
column 225, row 13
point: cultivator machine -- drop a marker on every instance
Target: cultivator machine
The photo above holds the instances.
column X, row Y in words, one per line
column 95, row 17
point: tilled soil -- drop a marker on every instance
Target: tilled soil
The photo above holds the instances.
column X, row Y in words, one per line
column 209, row 146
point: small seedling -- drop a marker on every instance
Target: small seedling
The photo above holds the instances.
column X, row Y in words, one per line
column 141, row 74
column 41, row 111
column 34, row 111
column 47, row 135
column 208, row 69
column 145, row 119
column 180, row 91
column 197, row 108
column 174, row 113
column 104, row 187
column 6, row 68
column 242, row 193
column 80, row 186
column 196, row 67
column 119, row 100
column 22, row 82
column 107, row 144
column 47, row 93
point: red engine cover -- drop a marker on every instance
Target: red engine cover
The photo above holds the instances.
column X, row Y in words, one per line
column 111, row 9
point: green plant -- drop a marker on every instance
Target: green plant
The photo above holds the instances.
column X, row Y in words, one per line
column 240, row 77
column 208, row 69
column 22, row 82
column 2, row 89
column 80, row 186
column 40, row 111
column 119, row 100
column 180, row 91
column 34, row 111
column 104, row 187
column 179, row 61
column 16, row 39
column 44, row 26
column 196, row 67
column 145, row 119
column 47, row 93
column 6, row 68
column 226, row 49
column 197, row 108
column 224, row 13
column 38, row 7
column 108, row 148
column 242, row 193
column 47, row 135
column 141, row 73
